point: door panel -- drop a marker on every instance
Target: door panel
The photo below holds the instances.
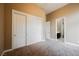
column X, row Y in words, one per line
column 53, row 29
column 18, row 30
column 47, row 28
column 34, row 29
column 72, row 28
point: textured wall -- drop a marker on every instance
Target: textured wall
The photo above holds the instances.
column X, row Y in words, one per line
column 1, row 26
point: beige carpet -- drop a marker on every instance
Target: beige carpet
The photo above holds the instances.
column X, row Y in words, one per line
column 46, row 48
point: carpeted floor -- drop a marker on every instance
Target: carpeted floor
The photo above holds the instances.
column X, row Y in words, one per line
column 46, row 48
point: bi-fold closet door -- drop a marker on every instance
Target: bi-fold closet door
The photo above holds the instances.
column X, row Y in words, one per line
column 35, row 29
column 18, row 29
column 72, row 28
column 26, row 29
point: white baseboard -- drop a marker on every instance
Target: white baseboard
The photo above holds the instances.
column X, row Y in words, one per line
column 71, row 43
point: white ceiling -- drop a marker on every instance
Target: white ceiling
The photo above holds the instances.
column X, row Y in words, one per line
column 50, row 7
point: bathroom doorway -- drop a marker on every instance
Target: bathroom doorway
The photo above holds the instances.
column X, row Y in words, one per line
column 60, row 29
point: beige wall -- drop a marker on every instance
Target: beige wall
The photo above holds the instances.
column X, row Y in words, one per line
column 27, row 8
column 1, row 26
column 68, row 9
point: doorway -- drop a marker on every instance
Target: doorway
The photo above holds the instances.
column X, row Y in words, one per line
column 60, row 29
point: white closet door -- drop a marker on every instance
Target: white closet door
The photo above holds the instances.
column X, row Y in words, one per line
column 18, row 30
column 53, row 29
column 72, row 28
column 47, row 30
column 34, row 29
